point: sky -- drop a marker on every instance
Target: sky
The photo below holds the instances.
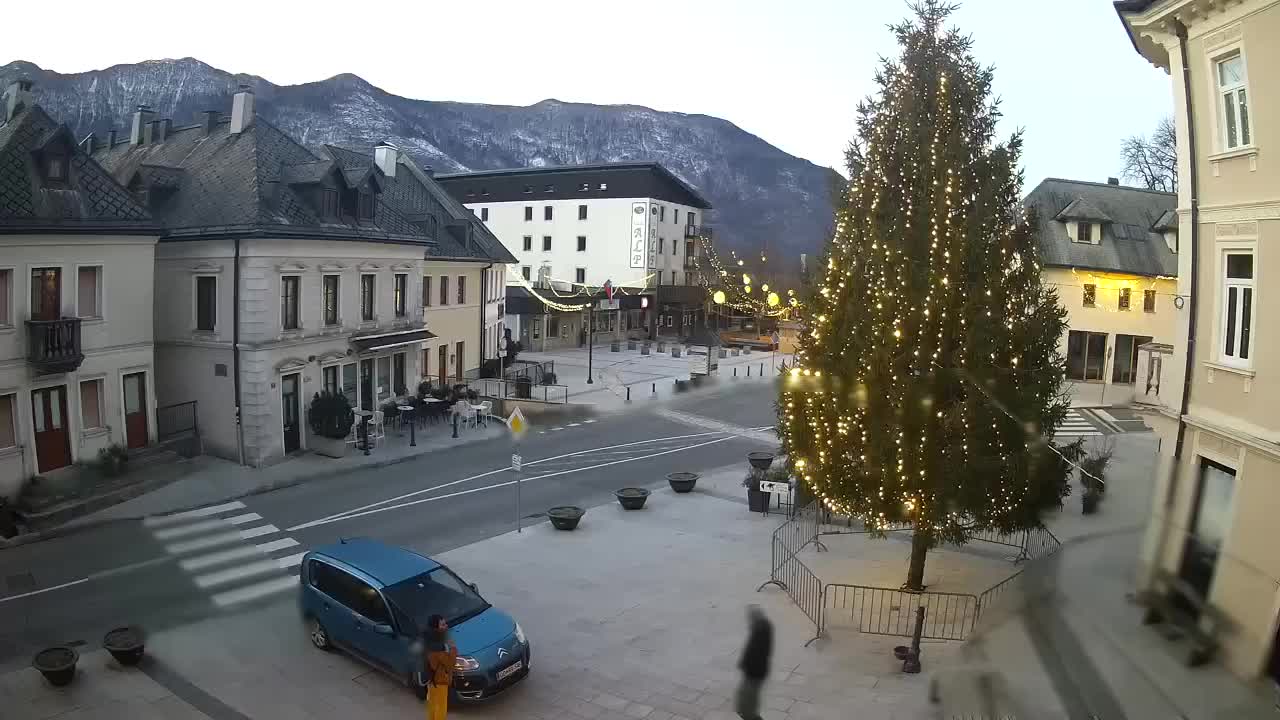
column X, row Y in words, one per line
column 789, row 71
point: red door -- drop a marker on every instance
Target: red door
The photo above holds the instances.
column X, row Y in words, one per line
column 135, row 410
column 49, row 419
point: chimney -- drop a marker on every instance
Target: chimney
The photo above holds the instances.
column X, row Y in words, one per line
column 89, row 143
column 19, row 96
column 428, row 171
column 1113, row 181
column 111, row 138
column 150, row 132
column 166, row 127
column 141, row 117
column 211, row 118
column 386, row 156
column 241, row 110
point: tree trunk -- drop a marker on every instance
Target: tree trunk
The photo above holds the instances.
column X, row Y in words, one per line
column 920, row 542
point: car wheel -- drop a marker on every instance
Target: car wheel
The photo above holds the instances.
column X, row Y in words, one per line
column 319, row 636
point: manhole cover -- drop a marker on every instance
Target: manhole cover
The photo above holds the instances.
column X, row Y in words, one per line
column 20, row 583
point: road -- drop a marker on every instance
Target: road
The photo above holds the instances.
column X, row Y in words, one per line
column 162, row 572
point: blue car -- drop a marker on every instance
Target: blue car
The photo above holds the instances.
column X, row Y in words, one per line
column 373, row 600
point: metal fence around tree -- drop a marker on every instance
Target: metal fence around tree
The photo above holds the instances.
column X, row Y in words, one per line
column 892, row 611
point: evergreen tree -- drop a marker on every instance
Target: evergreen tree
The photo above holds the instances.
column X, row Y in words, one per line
column 929, row 373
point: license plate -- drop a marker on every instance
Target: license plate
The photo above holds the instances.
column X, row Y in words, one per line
column 508, row 671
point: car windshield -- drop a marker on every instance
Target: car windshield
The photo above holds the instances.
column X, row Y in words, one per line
column 438, row 592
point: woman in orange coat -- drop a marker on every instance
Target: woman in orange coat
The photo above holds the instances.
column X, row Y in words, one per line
column 441, row 656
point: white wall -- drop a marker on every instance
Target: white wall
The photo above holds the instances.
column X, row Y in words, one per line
column 607, row 229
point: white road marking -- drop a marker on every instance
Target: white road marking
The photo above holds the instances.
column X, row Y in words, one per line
column 574, row 424
column 588, row 421
column 202, row 543
column 353, row 515
column 44, row 590
column 203, row 561
column 253, row 592
column 398, row 498
column 242, row 519
column 259, row 531
column 240, row 572
column 291, row 561
column 160, row 520
column 192, row 529
column 274, row 545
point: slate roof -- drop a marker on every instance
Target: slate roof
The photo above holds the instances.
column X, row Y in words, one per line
column 92, row 200
column 1130, row 239
column 1081, row 209
column 661, row 170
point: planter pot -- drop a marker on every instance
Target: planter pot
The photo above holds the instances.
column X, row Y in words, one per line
column 329, row 447
column 735, row 352
column 662, row 347
column 757, row 501
column 760, row 460
column 631, row 498
column 675, row 352
column 746, row 351
column 901, row 651
column 631, row 344
column 682, row 482
column 644, row 350
column 565, row 517
column 57, row 664
column 1089, row 503
column 125, row 644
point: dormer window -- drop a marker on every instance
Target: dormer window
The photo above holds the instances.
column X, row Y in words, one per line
column 329, row 203
column 366, row 205
column 55, row 166
column 1084, row 232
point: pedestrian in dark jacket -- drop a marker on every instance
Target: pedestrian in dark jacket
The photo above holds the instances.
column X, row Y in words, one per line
column 754, row 663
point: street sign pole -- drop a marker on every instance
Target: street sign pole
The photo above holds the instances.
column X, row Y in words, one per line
column 591, row 336
column 518, row 426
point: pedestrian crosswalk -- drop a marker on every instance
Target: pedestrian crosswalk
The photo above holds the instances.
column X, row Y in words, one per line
column 1076, row 425
column 235, row 555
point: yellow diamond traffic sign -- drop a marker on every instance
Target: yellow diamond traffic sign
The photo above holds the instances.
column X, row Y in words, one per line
column 519, row 426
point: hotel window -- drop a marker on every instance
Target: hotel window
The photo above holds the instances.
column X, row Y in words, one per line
column 6, row 293
column 366, row 205
column 1086, row 355
column 330, row 300
column 289, row 301
column 549, row 188
column 398, row 373
column 662, row 213
column 329, row 376
column 1237, row 309
column 546, row 212
column 1148, row 300
column 528, row 189
column 206, row 303
column 582, row 243
column 1124, row 363
column 484, row 214
column 444, row 289
column 8, row 422
column 525, row 271
column 1210, row 523
column 528, row 213
column 90, row 404
column 329, row 204
column 89, row 292
column 580, row 275
column 675, row 217
column 426, row 291
column 582, row 212
column 528, row 243
column 1235, row 102
column 546, row 243
column 366, row 297
column 1125, row 297
column 384, row 378
column 402, row 294
column 1090, row 295
column 462, row 289
column 1084, row 232
column 661, row 249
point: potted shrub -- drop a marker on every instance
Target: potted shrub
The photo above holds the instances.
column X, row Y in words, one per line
column 631, row 498
column 330, row 417
column 757, row 499
column 57, row 664
column 682, row 482
column 112, row 460
column 565, row 517
column 125, row 644
column 1093, row 476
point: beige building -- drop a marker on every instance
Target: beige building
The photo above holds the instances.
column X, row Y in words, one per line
column 284, row 271
column 1111, row 253
column 76, row 263
column 1214, row 519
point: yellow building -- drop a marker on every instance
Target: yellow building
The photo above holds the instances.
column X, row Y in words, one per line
column 1214, row 517
column 1111, row 253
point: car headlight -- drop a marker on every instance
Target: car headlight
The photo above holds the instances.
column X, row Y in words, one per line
column 520, row 634
column 465, row 663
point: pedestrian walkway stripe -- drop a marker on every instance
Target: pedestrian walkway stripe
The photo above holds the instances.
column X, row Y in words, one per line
column 275, row 545
column 245, row 518
column 203, row 543
column 255, row 592
column 160, row 520
column 259, row 531
column 217, row 558
column 192, row 529
column 291, row 561
column 240, row 572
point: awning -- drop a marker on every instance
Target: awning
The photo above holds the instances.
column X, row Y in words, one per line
column 385, row 340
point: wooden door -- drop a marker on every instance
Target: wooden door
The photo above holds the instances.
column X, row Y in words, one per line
column 135, row 410
column 443, row 364
column 49, row 419
column 366, row 384
column 459, row 362
column 46, row 293
column 290, row 412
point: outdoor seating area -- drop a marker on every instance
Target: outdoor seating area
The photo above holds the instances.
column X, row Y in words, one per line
column 434, row 404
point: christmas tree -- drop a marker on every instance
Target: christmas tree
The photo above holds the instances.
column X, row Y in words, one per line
column 929, row 374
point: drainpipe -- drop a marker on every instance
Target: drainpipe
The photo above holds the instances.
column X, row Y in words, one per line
column 484, row 307
column 235, row 347
column 1194, row 182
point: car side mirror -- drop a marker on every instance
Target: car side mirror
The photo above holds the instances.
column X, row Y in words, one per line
column 474, row 588
column 384, row 629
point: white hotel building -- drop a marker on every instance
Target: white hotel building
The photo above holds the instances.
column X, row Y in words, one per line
column 572, row 229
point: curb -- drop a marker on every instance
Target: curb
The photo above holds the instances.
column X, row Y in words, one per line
column 265, row 487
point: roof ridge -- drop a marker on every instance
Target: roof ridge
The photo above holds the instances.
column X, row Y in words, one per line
column 1107, row 185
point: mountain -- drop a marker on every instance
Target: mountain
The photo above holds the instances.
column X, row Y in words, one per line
column 761, row 194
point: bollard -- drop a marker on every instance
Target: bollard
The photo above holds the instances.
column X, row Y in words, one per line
column 735, row 372
column 748, row 371
column 364, row 431
column 455, row 425
column 413, row 440
column 654, row 388
column 761, row 369
column 628, row 393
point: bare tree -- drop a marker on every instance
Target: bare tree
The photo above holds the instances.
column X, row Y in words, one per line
column 1153, row 161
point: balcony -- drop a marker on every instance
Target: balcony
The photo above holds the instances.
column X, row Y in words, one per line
column 697, row 231
column 691, row 262
column 53, row 346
